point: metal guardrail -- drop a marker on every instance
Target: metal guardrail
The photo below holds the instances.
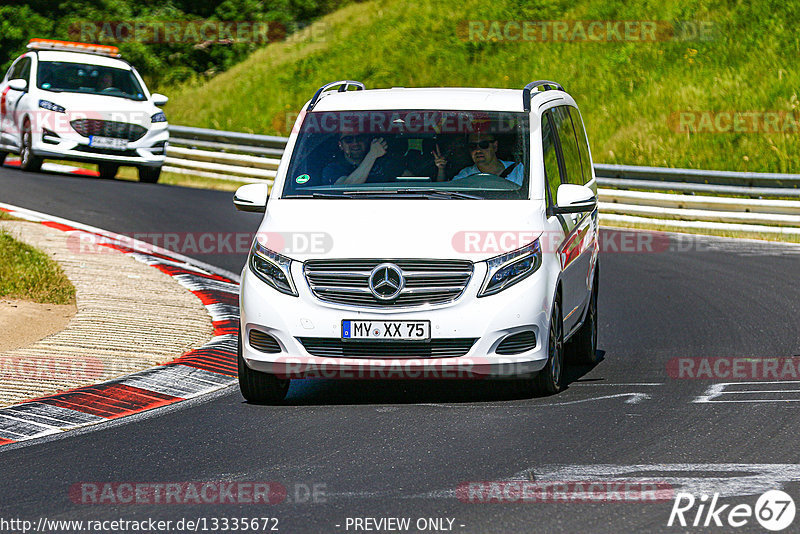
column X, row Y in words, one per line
column 628, row 193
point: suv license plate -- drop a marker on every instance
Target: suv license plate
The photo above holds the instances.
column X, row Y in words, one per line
column 108, row 142
column 387, row 330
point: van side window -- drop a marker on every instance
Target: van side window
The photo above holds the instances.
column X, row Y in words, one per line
column 551, row 171
column 569, row 146
column 583, row 145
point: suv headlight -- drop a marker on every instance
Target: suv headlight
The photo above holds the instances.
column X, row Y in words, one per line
column 159, row 117
column 46, row 104
column 507, row 269
column 272, row 268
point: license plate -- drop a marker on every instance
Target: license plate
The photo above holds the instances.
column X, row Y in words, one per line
column 108, row 142
column 387, row 330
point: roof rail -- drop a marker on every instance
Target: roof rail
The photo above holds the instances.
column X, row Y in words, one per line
column 343, row 86
column 526, row 92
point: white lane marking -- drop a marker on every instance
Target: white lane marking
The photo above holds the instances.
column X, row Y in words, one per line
column 715, row 392
column 729, row 480
column 628, row 384
column 178, row 381
column 199, row 283
column 51, row 415
column 634, row 398
column 736, row 479
column 21, row 428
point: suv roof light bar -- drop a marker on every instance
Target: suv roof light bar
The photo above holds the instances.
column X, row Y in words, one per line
column 343, row 86
column 68, row 46
column 547, row 85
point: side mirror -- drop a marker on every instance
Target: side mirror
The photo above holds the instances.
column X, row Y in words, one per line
column 251, row 197
column 159, row 99
column 571, row 198
column 18, row 85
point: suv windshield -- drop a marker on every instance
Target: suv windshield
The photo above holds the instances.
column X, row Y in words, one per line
column 393, row 154
column 61, row 76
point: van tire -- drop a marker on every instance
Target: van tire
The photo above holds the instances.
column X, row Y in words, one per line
column 258, row 387
column 582, row 346
column 549, row 380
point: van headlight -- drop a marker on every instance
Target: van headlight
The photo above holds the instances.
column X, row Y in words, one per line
column 272, row 268
column 507, row 269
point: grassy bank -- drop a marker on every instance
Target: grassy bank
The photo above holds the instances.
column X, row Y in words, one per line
column 629, row 91
column 29, row 274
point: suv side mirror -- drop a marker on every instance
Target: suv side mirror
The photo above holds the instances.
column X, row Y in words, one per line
column 159, row 99
column 251, row 197
column 18, row 85
column 571, row 198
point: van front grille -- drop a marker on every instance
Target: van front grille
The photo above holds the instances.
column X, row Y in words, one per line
column 427, row 282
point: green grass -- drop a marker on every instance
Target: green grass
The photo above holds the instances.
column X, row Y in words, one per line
column 183, row 180
column 29, row 274
column 4, row 216
column 627, row 91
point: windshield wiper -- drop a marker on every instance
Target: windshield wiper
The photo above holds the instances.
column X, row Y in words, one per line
column 318, row 195
column 439, row 193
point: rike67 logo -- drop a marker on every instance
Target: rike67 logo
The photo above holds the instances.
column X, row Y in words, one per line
column 774, row 510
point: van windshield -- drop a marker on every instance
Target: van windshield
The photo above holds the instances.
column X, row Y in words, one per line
column 410, row 154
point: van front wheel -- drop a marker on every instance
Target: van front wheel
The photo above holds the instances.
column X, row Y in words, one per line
column 258, row 387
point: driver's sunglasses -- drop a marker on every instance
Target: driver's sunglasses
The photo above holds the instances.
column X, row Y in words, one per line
column 483, row 145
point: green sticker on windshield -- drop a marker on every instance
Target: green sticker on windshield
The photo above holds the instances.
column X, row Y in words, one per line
column 303, row 178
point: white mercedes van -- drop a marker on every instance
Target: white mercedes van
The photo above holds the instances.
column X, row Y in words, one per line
column 424, row 233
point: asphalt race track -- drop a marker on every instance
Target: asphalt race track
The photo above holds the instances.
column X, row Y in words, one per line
column 379, row 449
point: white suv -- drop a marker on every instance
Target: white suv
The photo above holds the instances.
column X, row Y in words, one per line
column 424, row 233
column 80, row 102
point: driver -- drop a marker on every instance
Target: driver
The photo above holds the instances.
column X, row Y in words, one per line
column 106, row 81
column 483, row 150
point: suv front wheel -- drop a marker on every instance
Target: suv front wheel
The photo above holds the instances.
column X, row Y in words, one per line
column 149, row 175
column 108, row 171
column 28, row 162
